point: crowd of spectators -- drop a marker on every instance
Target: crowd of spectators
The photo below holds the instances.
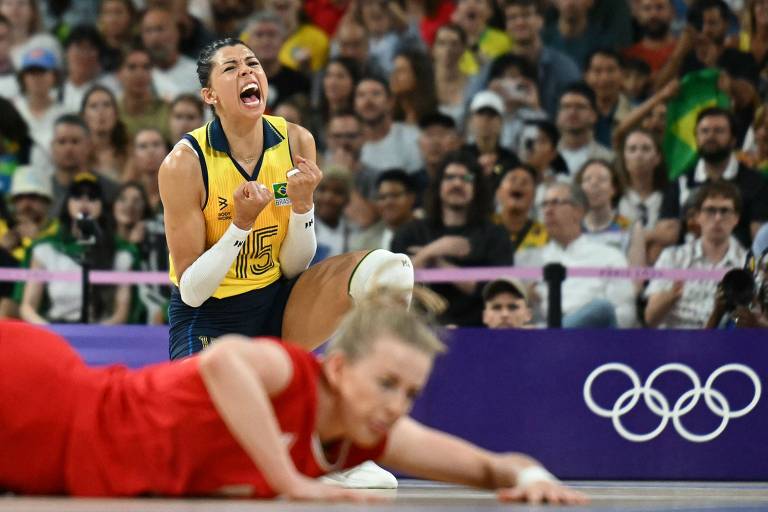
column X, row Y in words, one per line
column 462, row 132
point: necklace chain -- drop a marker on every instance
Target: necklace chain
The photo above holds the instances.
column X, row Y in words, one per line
column 247, row 160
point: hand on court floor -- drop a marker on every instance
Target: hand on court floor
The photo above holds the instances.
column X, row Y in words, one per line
column 302, row 185
column 307, row 489
column 250, row 199
column 553, row 493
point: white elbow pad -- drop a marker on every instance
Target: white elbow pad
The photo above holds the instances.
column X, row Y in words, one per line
column 201, row 278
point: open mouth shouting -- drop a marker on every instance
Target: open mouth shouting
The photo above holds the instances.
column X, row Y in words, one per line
column 250, row 94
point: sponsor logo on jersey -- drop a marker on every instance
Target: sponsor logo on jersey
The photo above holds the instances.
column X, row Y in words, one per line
column 224, row 215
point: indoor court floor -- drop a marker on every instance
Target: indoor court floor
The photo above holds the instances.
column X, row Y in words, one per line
column 419, row 496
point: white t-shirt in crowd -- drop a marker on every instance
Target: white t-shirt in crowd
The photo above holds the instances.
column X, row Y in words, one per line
column 399, row 149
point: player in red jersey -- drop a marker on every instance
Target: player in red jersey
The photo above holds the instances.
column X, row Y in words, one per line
column 253, row 418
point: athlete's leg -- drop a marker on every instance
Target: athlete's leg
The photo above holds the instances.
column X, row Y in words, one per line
column 193, row 329
column 324, row 293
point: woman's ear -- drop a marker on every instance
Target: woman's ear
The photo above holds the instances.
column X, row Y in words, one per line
column 208, row 95
column 334, row 363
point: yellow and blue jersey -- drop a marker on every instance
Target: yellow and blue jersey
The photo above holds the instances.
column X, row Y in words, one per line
column 257, row 265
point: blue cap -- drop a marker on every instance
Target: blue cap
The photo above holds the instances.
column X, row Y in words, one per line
column 39, row 58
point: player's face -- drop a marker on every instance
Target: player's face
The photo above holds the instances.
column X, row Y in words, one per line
column 380, row 387
column 238, row 84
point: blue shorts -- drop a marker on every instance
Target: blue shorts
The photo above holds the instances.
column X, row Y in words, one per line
column 255, row 313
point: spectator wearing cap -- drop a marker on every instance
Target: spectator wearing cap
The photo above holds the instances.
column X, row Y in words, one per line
column 172, row 72
column 388, row 144
column 62, row 252
column 28, row 31
column 514, row 79
column 716, row 145
column 688, row 304
column 576, row 119
column 395, row 203
column 38, row 79
column 515, row 197
column 31, row 198
column 28, row 220
column 506, row 305
column 9, row 86
column 484, row 131
column 586, row 302
column 83, row 51
column 456, row 232
column 72, row 154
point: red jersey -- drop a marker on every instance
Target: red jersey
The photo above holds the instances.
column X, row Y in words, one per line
column 67, row 428
column 655, row 58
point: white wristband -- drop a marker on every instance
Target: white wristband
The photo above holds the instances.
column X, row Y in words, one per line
column 534, row 474
column 204, row 275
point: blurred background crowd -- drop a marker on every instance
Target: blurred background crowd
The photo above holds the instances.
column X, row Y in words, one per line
column 594, row 133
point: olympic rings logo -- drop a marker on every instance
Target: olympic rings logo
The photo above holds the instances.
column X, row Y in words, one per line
column 659, row 405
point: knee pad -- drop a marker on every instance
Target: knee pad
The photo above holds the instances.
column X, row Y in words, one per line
column 382, row 269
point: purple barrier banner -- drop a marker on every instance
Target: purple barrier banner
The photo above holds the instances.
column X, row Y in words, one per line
column 622, row 404
column 608, row 405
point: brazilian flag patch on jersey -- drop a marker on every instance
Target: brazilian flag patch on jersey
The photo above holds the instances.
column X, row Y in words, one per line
column 281, row 194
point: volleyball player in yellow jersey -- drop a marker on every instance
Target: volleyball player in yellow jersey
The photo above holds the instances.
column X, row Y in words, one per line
column 238, row 204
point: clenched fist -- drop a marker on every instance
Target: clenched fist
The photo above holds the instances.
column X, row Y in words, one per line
column 250, row 199
column 302, row 184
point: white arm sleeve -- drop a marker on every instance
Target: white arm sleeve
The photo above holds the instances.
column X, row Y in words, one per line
column 202, row 277
column 299, row 245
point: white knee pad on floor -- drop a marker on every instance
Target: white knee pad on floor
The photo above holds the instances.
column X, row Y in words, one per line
column 382, row 269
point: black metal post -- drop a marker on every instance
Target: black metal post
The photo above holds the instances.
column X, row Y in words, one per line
column 554, row 275
column 85, row 264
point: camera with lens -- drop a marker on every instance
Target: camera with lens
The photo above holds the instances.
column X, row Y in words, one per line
column 738, row 289
column 89, row 229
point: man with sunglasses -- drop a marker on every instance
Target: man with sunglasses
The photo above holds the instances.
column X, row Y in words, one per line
column 456, row 232
column 688, row 304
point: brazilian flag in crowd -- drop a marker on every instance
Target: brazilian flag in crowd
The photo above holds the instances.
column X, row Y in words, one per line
column 698, row 90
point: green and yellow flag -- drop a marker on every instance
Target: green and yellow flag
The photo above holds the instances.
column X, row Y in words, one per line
column 698, row 90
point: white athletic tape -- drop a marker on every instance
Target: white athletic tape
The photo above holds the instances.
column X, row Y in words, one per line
column 533, row 475
column 292, row 172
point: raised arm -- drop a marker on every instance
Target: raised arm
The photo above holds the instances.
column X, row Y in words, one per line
column 427, row 453
column 200, row 271
column 300, row 243
column 183, row 195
